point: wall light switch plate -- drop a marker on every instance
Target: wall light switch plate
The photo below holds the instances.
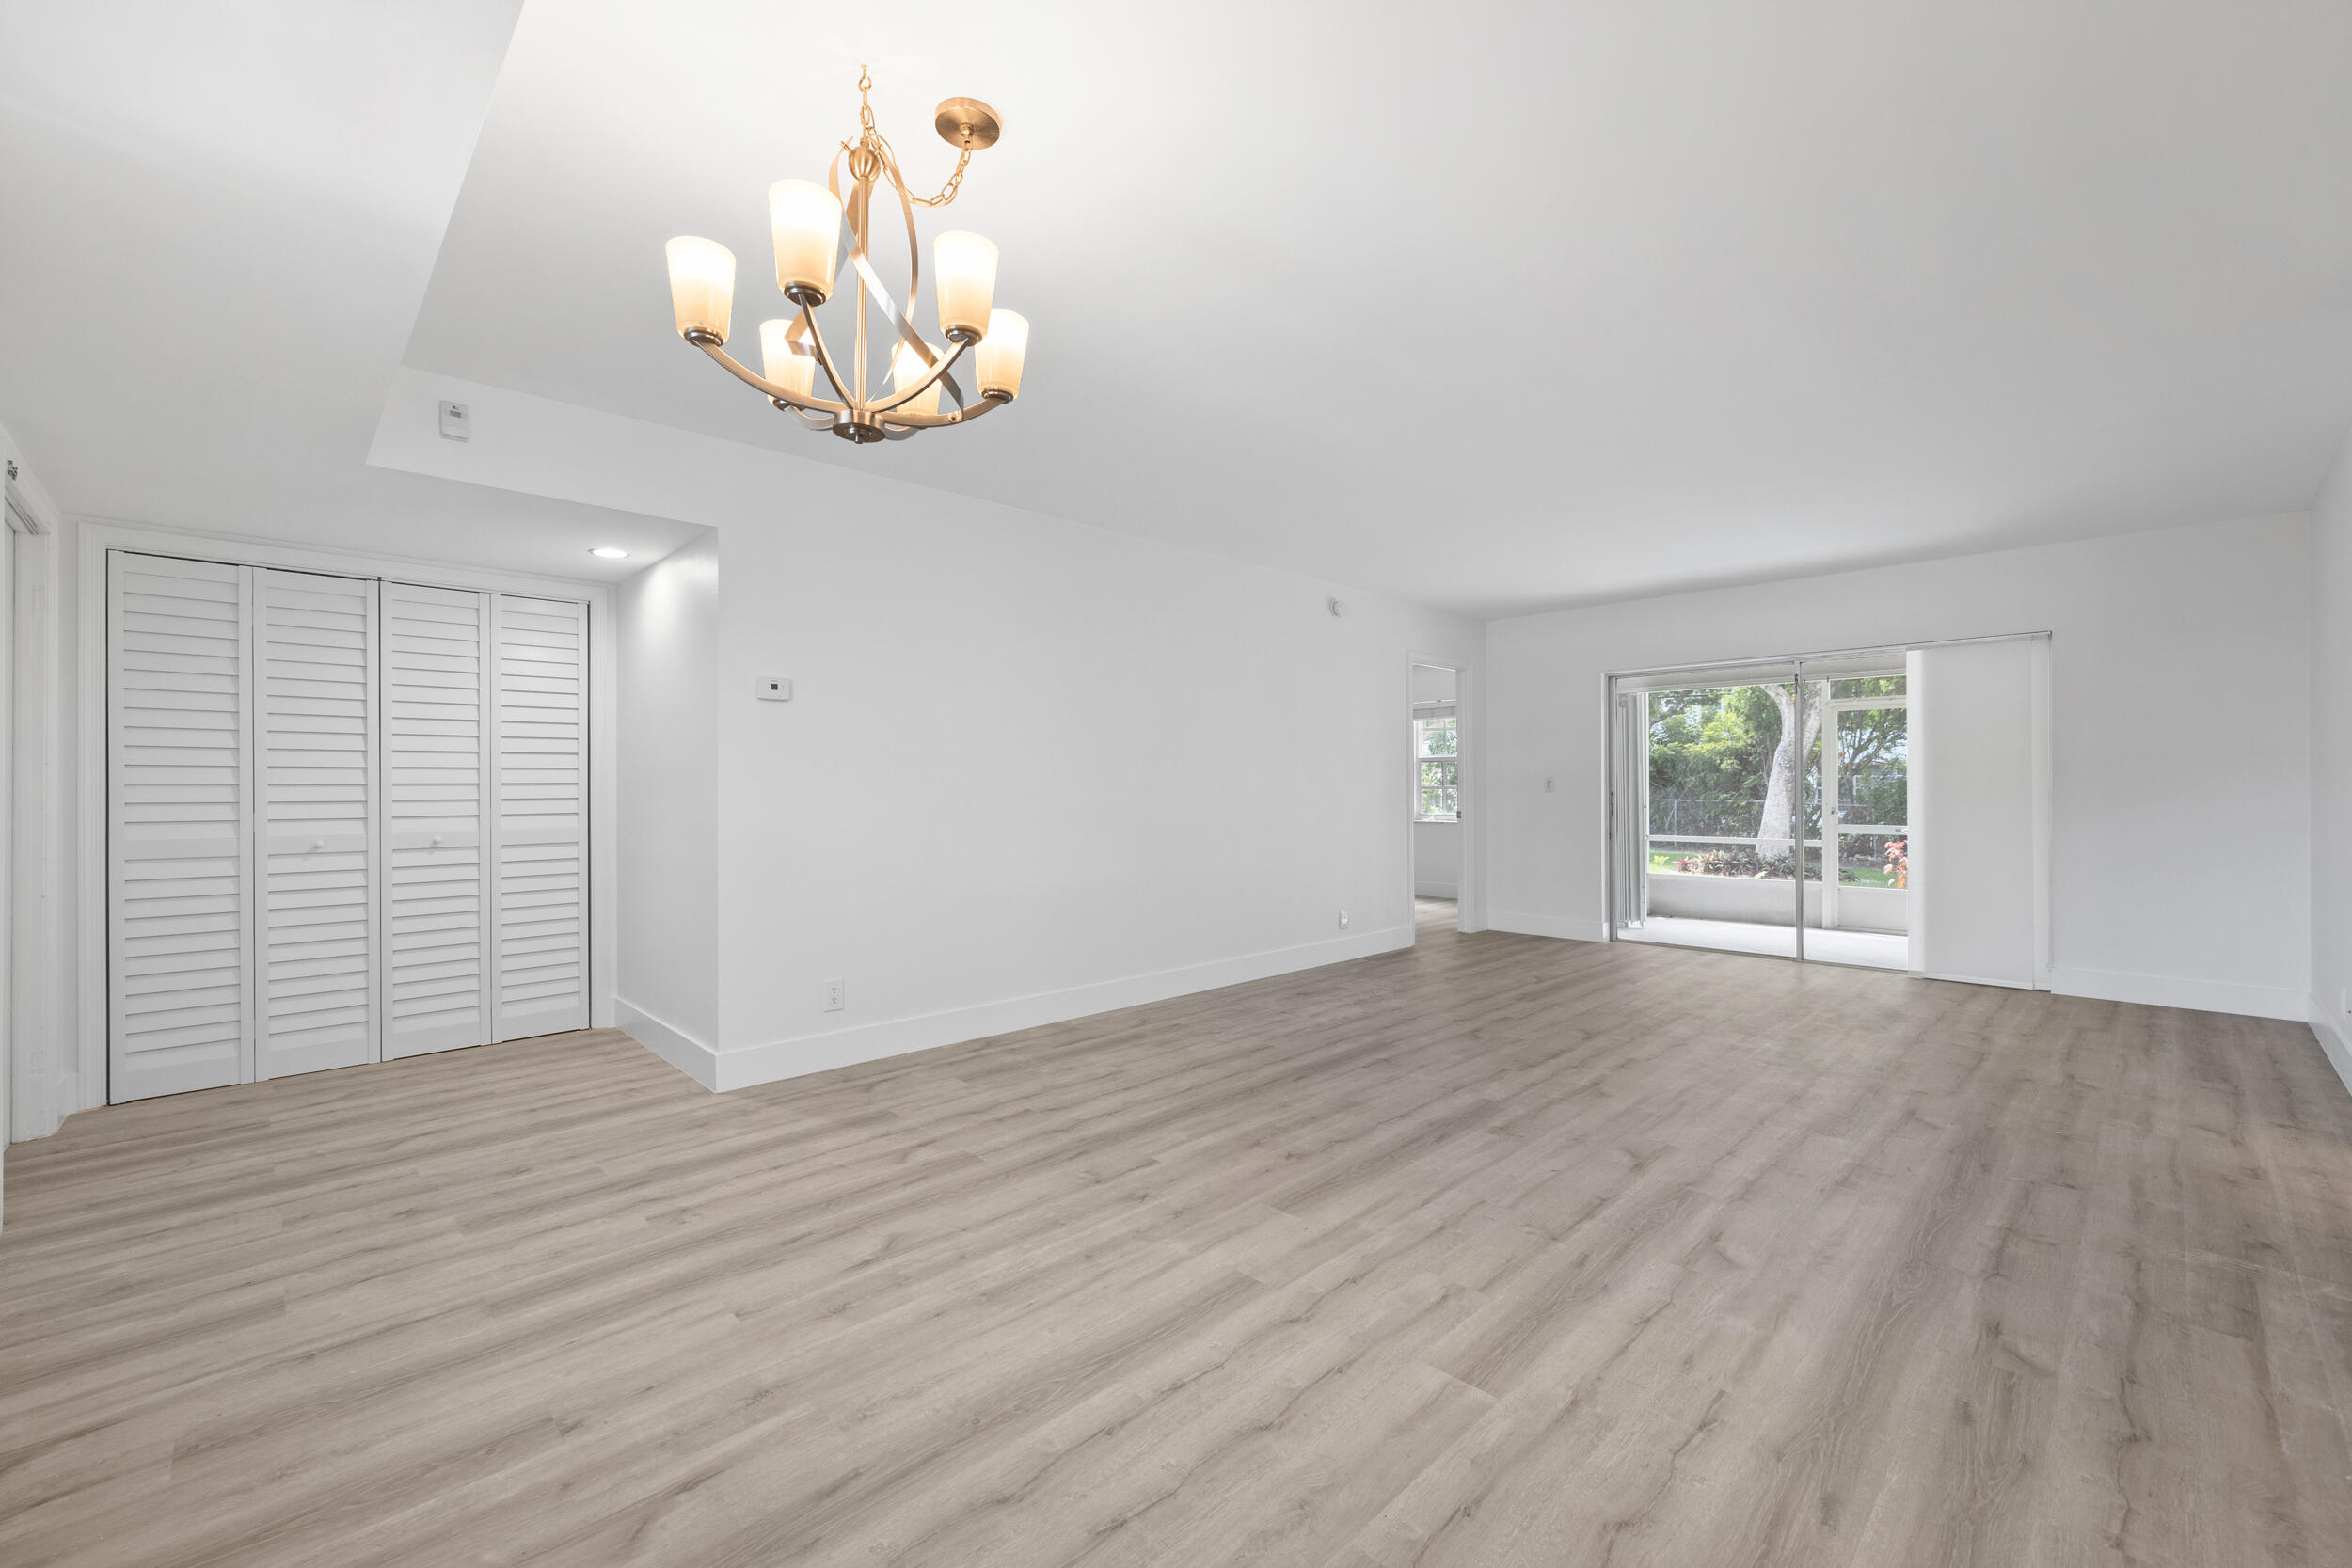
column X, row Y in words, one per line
column 774, row 689
column 456, row 422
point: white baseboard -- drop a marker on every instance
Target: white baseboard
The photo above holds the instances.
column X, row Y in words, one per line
column 673, row 1045
column 2333, row 1042
column 1547, row 926
column 745, row 1066
column 2166, row 990
column 1983, row 980
column 1436, row 889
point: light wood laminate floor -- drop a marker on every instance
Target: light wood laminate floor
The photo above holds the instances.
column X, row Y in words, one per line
column 1499, row 1251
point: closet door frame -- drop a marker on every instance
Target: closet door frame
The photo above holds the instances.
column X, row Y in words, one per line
column 92, row 958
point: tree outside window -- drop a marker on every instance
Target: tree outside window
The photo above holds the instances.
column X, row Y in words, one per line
column 1724, row 763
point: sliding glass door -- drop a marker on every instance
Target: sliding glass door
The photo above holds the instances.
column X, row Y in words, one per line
column 1761, row 809
column 1861, row 789
column 1711, row 783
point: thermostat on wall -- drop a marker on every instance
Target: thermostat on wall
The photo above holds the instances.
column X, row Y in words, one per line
column 774, row 689
column 456, row 422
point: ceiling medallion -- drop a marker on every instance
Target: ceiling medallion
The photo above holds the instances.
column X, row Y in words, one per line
column 806, row 221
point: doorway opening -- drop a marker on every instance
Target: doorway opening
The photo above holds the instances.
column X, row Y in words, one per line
column 1765, row 809
column 1435, row 860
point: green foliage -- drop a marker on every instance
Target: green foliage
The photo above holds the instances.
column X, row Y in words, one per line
column 1872, row 760
column 1710, row 755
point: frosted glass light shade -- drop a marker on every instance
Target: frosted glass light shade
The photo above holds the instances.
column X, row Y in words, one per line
column 795, row 372
column 1000, row 355
column 906, row 369
column 966, row 282
column 805, row 220
column 701, row 286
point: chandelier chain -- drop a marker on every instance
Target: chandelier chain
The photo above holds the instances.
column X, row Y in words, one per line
column 879, row 143
column 947, row 192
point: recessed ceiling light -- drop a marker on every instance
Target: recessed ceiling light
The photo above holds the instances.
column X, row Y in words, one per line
column 608, row 553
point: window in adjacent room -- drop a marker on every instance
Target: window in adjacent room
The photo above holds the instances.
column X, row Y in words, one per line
column 1436, row 744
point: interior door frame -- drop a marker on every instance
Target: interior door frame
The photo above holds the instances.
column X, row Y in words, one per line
column 40, row 1069
column 1470, row 911
column 91, row 962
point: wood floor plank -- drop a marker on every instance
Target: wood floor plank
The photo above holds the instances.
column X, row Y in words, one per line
column 1497, row 1251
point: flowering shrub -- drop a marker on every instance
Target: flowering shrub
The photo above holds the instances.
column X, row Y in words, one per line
column 1898, row 860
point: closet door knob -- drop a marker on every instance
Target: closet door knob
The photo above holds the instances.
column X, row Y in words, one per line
column 317, row 844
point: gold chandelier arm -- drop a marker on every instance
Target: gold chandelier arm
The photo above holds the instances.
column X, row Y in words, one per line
column 742, row 372
column 939, row 371
column 914, row 248
column 824, row 362
column 940, row 422
column 907, row 334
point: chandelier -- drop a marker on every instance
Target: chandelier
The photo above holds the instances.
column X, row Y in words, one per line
column 805, row 220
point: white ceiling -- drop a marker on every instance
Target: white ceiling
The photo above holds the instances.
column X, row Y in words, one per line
column 1489, row 307
column 220, row 220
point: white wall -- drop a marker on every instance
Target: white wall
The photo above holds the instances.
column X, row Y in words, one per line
column 2181, row 672
column 2331, row 763
column 1003, row 792
column 1438, row 860
column 669, row 797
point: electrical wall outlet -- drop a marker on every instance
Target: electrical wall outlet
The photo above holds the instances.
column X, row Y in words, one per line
column 1342, row 920
column 833, row 990
column 1551, row 785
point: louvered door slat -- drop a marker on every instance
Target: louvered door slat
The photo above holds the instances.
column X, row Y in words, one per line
column 177, row 825
column 316, row 653
column 540, row 824
column 436, row 759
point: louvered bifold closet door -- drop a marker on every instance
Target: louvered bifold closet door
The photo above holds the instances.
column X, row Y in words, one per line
column 315, row 819
column 540, row 816
column 180, row 644
column 435, row 778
